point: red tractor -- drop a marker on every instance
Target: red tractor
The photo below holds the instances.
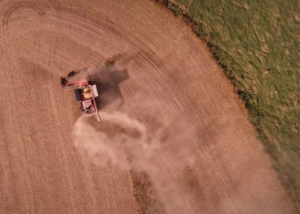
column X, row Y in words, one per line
column 85, row 93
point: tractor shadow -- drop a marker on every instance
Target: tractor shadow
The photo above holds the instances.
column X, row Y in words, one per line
column 109, row 92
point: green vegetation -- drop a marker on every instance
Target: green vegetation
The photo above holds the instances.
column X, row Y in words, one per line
column 257, row 43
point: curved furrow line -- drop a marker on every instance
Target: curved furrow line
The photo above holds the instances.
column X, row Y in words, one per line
column 19, row 5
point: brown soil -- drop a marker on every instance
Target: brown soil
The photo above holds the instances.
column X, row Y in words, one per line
column 209, row 160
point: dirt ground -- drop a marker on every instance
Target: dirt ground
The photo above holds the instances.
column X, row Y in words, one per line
column 207, row 158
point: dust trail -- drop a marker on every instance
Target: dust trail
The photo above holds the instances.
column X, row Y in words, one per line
column 103, row 70
column 122, row 141
column 117, row 140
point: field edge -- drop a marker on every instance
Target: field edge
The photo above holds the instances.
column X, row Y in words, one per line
column 253, row 112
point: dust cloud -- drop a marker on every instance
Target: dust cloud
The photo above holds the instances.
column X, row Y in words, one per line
column 123, row 142
column 117, row 140
column 104, row 70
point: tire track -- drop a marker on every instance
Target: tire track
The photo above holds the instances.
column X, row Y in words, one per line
column 15, row 6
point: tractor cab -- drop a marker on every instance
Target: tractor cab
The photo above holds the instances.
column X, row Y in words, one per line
column 85, row 93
